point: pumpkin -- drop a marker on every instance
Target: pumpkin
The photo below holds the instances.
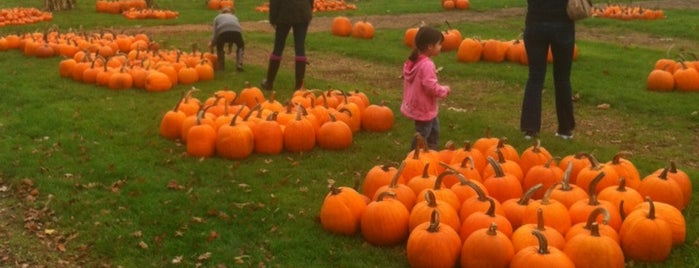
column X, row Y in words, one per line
column 424, row 181
column 452, row 38
column 660, row 80
column 555, row 212
column 672, row 216
column 469, row 50
column 494, row 50
column 441, row 192
column 461, row 4
column 448, row 4
column 502, row 185
column 409, row 36
column 484, row 143
column 580, row 210
column 662, row 189
column 432, row 244
column 507, row 165
column 616, row 194
column 578, row 161
column 586, row 227
column 625, row 169
column 423, row 209
column 586, row 175
column 465, row 169
column 546, row 174
column 120, row 80
column 681, row 178
column 341, row 210
column 533, row 156
column 568, row 193
column 157, row 81
column 341, row 26
column 462, row 190
column 171, row 123
column 483, row 219
column 516, row 53
column 201, row 138
column 541, row 256
column 476, row 157
column 377, row 176
column 514, row 208
column 478, row 203
column 594, row 250
column 686, row 78
column 334, row 135
column 507, row 150
column 385, row 221
column 522, row 238
column 377, row 118
column 487, row 247
column 363, row 29
column 235, row 140
column 642, row 226
column 403, row 193
column 299, row 134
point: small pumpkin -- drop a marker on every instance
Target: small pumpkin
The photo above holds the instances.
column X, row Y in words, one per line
column 432, row 244
column 385, row 221
column 594, row 250
column 487, row 247
column 341, row 210
column 541, row 256
column 522, row 238
column 662, row 189
column 363, row 29
column 403, row 193
column 642, row 226
column 483, row 219
column 341, row 26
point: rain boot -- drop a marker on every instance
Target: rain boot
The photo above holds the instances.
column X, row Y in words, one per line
column 239, row 53
column 301, row 63
column 272, row 68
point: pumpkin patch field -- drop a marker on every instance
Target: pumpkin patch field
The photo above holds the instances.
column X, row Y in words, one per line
column 100, row 174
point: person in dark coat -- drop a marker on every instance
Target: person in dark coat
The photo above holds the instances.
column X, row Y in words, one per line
column 285, row 16
column 547, row 25
column 227, row 31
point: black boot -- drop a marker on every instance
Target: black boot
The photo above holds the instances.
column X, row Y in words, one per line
column 301, row 63
column 239, row 59
column 272, row 68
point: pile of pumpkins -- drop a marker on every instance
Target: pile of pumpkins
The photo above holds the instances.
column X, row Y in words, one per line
column 626, row 12
column 149, row 13
column 119, row 6
column 220, row 4
column 233, row 125
column 343, row 26
column 23, row 15
column 486, row 205
column 473, row 49
column 455, row 4
column 669, row 74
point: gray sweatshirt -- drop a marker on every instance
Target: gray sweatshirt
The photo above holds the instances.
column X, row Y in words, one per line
column 225, row 22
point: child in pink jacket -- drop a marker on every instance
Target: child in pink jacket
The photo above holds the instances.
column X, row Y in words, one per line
column 421, row 90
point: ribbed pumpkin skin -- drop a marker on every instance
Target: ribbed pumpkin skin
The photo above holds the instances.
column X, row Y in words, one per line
column 385, row 222
column 433, row 245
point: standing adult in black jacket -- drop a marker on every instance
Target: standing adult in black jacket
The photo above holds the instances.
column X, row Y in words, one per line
column 286, row 15
column 547, row 25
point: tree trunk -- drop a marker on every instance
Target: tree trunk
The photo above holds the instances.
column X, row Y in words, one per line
column 54, row 5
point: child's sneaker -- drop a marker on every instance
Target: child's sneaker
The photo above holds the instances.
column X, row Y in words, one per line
column 530, row 135
column 567, row 136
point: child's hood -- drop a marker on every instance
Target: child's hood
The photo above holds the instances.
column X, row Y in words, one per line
column 410, row 68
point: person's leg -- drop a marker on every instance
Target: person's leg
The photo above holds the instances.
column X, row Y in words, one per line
column 536, row 45
column 280, row 34
column 223, row 39
column 424, row 128
column 240, row 50
column 562, row 49
column 300, row 59
column 433, row 138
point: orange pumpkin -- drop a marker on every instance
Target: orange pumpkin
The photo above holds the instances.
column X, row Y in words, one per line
column 432, row 244
column 385, row 221
column 487, row 247
column 341, row 26
column 541, row 256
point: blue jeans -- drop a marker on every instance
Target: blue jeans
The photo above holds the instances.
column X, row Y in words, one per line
column 429, row 130
column 538, row 36
column 282, row 31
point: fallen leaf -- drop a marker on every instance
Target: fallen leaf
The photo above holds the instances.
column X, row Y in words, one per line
column 177, row 260
column 212, row 235
column 143, row 245
column 604, row 106
column 137, row 234
column 50, row 231
column 204, row 256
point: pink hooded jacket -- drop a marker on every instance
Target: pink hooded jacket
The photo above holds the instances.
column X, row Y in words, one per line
column 421, row 89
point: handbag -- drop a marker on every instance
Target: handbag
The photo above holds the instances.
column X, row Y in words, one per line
column 579, row 9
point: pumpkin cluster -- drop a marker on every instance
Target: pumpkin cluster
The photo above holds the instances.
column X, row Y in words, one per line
column 23, row 15
column 220, row 4
column 343, row 26
column 669, row 74
column 119, row 6
column 234, row 125
column 626, row 12
column 487, row 205
column 318, row 6
column 455, row 4
column 148, row 13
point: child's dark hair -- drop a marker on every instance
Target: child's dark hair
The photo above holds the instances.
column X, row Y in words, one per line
column 424, row 37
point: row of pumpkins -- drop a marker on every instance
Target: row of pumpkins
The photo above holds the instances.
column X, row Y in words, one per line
column 343, row 26
column 119, row 6
column 669, row 74
column 626, row 12
column 220, row 4
column 318, row 6
column 460, row 211
column 234, row 125
column 23, row 15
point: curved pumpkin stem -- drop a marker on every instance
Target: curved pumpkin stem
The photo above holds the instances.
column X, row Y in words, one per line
column 622, row 185
column 663, row 174
column 491, row 209
column 434, row 222
column 440, row 178
column 651, row 208
column 620, row 155
column 430, row 198
column 543, row 243
column 594, row 163
column 482, row 197
column 565, row 183
column 540, row 219
column 592, row 219
column 492, row 230
column 592, row 189
column 546, row 199
column 396, row 176
column 528, row 194
column 499, row 173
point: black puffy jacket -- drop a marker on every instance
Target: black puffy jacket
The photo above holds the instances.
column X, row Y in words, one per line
column 290, row 11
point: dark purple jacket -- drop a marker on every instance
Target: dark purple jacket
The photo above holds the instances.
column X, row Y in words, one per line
column 290, row 12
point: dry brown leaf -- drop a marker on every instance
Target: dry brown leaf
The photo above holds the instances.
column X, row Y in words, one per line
column 143, row 245
column 204, row 256
column 604, row 106
column 177, row 260
column 137, row 234
column 61, row 247
column 198, row 219
column 212, row 235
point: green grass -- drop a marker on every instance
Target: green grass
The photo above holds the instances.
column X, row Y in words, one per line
column 98, row 154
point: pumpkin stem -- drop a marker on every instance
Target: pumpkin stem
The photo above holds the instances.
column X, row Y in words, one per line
column 594, row 229
column 546, row 199
column 594, row 164
column 492, row 230
column 482, row 196
column 394, row 180
column 592, row 218
column 592, row 189
column 663, row 174
column 622, row 185
column 540, row 219
column 491, row 209
column 499, row 173
column 528, row 194
column 425, row 173
column 440, row 178
column 543, row 244
column 434, row 222
column 621, row 210
column 565, row 183
column 430, row 198
column 384, row 194
column 651, row 208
